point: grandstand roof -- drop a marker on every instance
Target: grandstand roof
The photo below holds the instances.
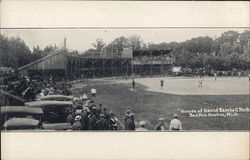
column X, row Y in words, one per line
column 39, row 60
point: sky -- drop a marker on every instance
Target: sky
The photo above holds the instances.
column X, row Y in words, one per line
column 82, row 39
column 47, row 22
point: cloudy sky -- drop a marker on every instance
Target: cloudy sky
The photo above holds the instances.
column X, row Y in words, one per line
column 174, row 21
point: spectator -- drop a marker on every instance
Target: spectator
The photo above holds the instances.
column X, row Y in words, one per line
column 160, row 125
column 77, row 125
column 101, row 124
column 99, row 109
column 93, row 117
column 112, row 121
column 85, row 120
column 130, row 124
column 175, row 124
column 142, row 126
column 105, row 112
column 70, row 119
column 126, row 117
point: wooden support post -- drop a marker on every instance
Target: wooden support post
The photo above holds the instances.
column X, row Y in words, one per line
column 112, row 70
column 93, row 69
column 103, row 68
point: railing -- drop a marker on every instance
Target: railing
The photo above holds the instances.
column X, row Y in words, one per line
column 149, row 62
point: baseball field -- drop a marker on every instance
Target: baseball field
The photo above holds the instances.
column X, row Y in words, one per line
column 221, row 104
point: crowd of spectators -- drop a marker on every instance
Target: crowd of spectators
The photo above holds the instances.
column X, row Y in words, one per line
column 30, row 88
column 88, row 115
column 149, row 59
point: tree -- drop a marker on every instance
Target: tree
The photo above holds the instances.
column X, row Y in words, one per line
column 117, row 45
column 98, row 44
column 13, row 52
column 135, row 42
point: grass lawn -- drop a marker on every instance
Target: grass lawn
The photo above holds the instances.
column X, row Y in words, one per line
column 149, row 106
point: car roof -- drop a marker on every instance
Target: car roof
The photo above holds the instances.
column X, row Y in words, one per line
column 18, row 122
column 57, row 97
column 57, row 126
column 48, row 103
column 20, row 109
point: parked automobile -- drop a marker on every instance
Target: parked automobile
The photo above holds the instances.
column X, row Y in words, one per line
column 22, row 124
column 57, row 126
column 8, row 112
column 54, row 111
column 56, row 98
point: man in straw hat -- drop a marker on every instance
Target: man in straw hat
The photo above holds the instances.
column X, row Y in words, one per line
column 160, row 125
column 77, row 125
column 142, row 126
column 175, row 124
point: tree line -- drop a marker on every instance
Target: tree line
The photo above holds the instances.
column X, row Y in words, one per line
column 229, row 51
column 15, row 53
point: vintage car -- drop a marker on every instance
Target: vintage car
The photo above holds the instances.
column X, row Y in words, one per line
column 56, row 98
column 57, row 126
column 54, row 111
column 21, row 124
column 8, row 112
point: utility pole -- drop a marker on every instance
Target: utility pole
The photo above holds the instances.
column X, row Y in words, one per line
column 64, row 42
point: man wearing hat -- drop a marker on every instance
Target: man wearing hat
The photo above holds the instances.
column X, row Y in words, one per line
column 142, row 126
column 112, row 121
column 77, row 125
column 101, row 124
column 175, row 124
column 126, row 117
column 93, row 117
column 85, row 120
column 160, row 125
column 130, row 123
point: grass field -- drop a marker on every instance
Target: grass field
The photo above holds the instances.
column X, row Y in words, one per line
column 149, row 102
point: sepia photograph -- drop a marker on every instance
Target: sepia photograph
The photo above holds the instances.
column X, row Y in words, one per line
column 125, row 79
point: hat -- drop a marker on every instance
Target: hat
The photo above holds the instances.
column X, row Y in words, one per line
column 127, row 111
column 75, row 99
column 131, row 115
column 141, row 123
column 86, row 109
column 102, row 115
column 175, row 116
column 84, row 97
column 161, row 119
column 77, row 118
column 78, row 111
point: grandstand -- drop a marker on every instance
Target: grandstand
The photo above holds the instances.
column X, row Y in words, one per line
column 66, row 65
column 152, row 62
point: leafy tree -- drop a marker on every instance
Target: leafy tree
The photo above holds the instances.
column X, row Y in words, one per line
column 98, row 44
column 13, row 52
